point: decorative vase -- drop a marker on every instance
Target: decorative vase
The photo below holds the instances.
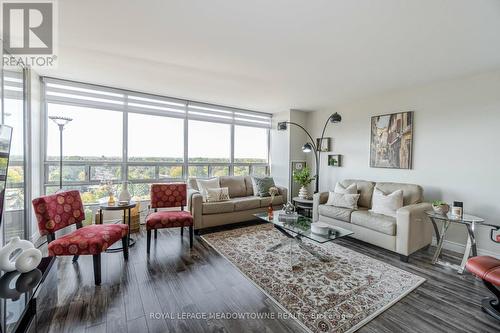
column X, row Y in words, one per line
column 124, row 195
column 111, row 200
column 13, row 245
column 270, row 211
column 441, row 209
column 303, row 193
column 28, row 260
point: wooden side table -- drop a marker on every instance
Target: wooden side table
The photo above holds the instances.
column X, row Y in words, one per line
column 304, row 206
column 125, row 208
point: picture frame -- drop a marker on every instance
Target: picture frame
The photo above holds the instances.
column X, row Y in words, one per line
column 391, row 140
column 325, row 145
column 335, row 160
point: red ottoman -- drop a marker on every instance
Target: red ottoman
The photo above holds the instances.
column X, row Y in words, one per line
column 488, row 269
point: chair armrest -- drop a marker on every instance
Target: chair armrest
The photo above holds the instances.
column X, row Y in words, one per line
column 492, row 232
column 195, row 206
column 413, row 230
column 283, row 191
column 318, row 199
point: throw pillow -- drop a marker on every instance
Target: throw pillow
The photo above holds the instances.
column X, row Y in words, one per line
column 217, row 194
column 386, row 204
column 343, row 200
column 262, row 185
column 204, row 184
column 351, row 189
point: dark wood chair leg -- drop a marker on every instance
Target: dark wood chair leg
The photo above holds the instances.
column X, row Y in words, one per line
column 148, row 243
column 97, row 268
column 404, row 258
column 75, row 258
column 156, row 233
column 182, row 231
column 190, row 236
column 125, row 247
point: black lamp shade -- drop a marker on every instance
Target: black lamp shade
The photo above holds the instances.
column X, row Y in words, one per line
column 307, row 148
column 335, row 118
column 282, row 126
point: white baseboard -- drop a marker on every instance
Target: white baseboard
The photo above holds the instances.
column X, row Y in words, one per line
column 460, row 248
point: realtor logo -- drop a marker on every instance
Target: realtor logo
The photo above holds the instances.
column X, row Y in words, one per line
column 28, row 28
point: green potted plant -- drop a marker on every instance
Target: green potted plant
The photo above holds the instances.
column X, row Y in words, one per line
column 440, row 207
column 303, row 178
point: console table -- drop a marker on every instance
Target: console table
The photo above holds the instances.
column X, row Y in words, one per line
column 26, row 298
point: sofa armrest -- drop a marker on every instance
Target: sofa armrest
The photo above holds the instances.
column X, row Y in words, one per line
column 318, row 199
column 413, row 231
column 283, row 191
column 195, row 206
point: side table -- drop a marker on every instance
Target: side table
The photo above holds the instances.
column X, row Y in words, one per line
column 304, row 205
column 470, row 221
column 125, row 208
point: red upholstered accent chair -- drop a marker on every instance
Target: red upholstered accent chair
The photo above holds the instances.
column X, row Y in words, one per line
column 488, row 269
column 57, row 211
column 168, row 196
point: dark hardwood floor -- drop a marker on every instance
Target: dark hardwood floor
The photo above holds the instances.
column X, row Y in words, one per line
column 178, row 281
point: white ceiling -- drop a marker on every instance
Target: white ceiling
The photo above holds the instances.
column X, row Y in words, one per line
column 273, row 55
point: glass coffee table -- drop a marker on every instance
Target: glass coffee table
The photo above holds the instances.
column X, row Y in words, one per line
column 295, row 231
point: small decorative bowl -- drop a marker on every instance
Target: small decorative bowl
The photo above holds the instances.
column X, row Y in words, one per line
column 441, row 209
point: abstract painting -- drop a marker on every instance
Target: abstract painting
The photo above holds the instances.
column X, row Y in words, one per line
column 391, row 143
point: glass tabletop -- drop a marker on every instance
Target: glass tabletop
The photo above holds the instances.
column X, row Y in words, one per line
column 302, row 227
column 466, row 218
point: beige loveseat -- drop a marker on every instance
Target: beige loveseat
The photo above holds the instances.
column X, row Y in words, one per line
column 239, row 208
column 406, row 233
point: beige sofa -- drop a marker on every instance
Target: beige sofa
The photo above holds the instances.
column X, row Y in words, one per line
column 406, row 233
column 239, row 208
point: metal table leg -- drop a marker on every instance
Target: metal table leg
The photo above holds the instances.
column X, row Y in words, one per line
column 446, row 224
column 471, row 245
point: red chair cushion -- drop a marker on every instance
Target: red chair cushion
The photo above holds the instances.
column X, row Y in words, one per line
column 486, row 268
column 92, row 239
column 169, row 219
column 168, row 195
column 498, row 238
column 56, row 211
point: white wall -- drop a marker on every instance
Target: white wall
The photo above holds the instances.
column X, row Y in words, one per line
column 456, row 145
column 280, row 150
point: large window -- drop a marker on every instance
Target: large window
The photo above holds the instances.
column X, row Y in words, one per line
column 92, row 135
column 209, row 142
column 118, row 135
column 250, row 144
column 147, row 138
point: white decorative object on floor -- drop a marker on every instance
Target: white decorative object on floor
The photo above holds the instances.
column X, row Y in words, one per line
column 14, row 244
column 124, row 195
column 28, row 260
column 303, row 193
column 320, row 228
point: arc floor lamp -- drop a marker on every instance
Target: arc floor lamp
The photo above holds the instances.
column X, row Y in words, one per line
column 309, row 147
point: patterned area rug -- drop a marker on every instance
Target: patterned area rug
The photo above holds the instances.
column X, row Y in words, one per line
column 336, row 296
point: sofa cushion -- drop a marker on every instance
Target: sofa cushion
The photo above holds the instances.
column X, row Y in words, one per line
column 262, row 185
column 342, row 214
column 246, row 203
column 218, row 207
column 249, row 185
column 236, row 185
column 365, row 190
column 343, row 200
column 377, row 222
column 193, row 184
column 386, row 203
column 412, row 194
column 278, row 200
